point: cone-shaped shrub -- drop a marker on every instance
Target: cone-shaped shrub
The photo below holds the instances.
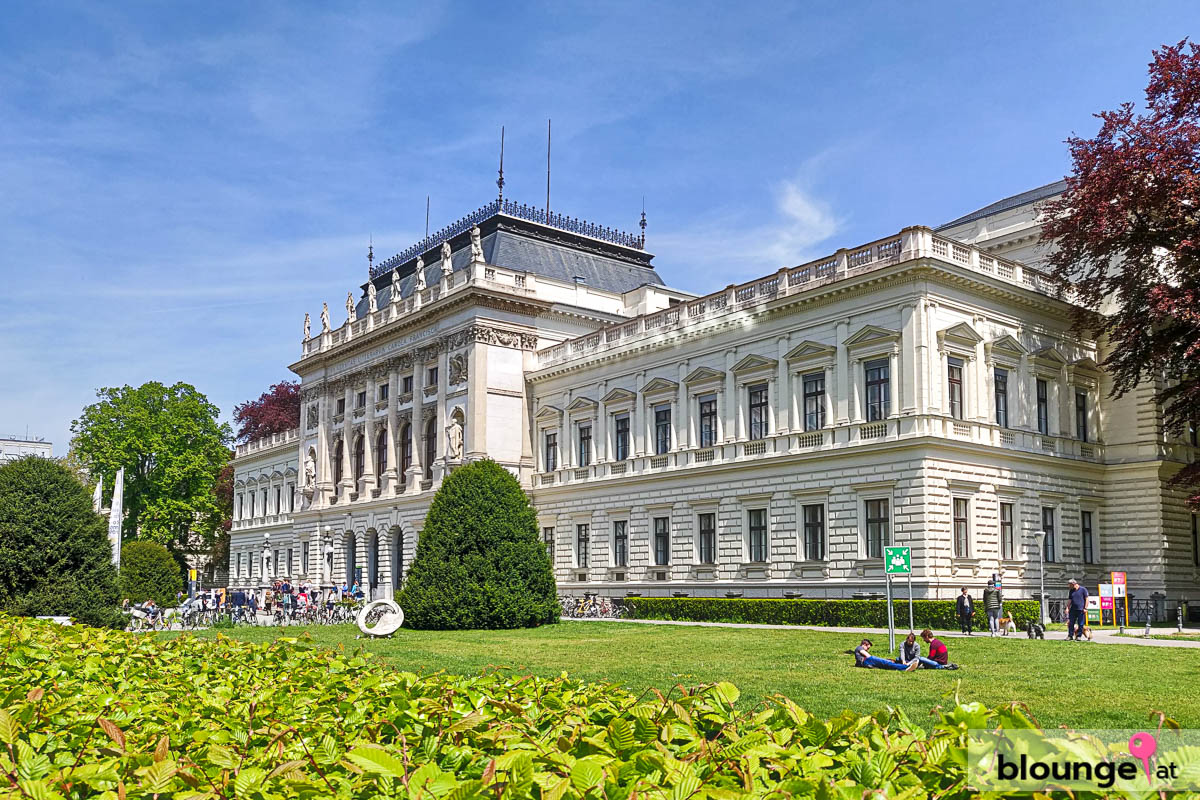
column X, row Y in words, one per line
column 149, row 571
column 54, row 552
column 479, row 562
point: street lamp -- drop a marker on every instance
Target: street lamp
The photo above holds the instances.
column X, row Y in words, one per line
column 1041, row 540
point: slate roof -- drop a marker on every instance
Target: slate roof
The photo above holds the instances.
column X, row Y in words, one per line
column 527, row 246
column 1009, row 203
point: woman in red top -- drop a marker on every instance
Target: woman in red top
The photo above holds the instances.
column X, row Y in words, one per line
column 939, row 656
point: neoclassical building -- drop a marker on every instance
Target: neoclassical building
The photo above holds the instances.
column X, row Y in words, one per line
column 767, row 439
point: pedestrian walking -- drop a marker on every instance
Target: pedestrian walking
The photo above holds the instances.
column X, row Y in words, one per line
column 993, row 603
column 965, row 607
column 1077, row 614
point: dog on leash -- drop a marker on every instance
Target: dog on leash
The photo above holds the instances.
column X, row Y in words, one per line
column 1035, row 631
column 1087, row 632
column 1006, row 626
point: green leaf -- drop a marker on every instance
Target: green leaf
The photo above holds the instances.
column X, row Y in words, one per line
column 249, row 780
column 520, row 775
column 159, row 776
column 620, row 733
column 377, row 760
column 9, row 731
column 728, row 692
column 586, row 774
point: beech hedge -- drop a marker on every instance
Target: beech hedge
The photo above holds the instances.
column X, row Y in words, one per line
column 832, row 613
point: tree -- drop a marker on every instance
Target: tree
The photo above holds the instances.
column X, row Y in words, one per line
column 149, row 571
column 275, row 411
column 479, row 562
column 172, row 448
column 1126, row 234
column 55, row 557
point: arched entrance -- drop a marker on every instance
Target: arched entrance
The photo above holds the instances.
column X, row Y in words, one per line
column 372, row 587
column 397, row 558
column 350, row 553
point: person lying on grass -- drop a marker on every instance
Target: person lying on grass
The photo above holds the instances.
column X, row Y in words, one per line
column 863, row 658
column 939, row 656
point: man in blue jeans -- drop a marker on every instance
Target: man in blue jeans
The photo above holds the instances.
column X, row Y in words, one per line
column 1077, row 614
column 863, row 658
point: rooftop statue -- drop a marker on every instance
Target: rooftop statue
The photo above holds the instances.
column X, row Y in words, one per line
column 371, row 307
column 351, row 314
column 420, row 275
column 307, row 327
column 476, row 246
column 324, row 317
column 395, row 292
column 447, row 264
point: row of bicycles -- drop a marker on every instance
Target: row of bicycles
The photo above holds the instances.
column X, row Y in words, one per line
column 196, row 617
column 590, row 607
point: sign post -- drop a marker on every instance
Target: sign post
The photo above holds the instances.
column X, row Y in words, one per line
column 1106, row 602
column 1118, row 582
column 897, row 561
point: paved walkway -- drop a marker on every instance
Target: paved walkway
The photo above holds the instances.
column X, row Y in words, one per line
column 1101, row 635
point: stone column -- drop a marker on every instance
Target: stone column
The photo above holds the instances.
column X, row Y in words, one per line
column 782, row 407
column 1026, row 399
column 601, row 440
column 477, row 388
column 416, row 428
column 566, row 453
column 443, row 381
column 639, row 415
column 682, row 418
column 347, row 484
column 729, row 404
column 983, row 407
column 842, row 378
column 391, row 474
column 367, row 483
column 896, row 379
column 908, row 345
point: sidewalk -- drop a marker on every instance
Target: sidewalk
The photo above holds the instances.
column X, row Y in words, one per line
column 1101, row 635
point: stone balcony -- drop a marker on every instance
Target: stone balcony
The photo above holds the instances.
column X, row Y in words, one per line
column 267, row 442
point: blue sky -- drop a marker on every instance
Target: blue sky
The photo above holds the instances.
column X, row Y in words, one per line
column 180, row 183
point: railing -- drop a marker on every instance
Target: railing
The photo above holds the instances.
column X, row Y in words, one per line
column 909, row 244
column 875, row 430
column 658, row 462
column 268, row 441
column 756, row 448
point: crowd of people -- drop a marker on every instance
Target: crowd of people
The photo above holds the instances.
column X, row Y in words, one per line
column 280, row 595
column 910, row 655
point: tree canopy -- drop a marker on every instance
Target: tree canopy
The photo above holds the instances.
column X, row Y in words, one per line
column 1126, row 238
column 55, row 557
column 275, row 411
column 479, row 562
column 149, row 572
column 172, row 448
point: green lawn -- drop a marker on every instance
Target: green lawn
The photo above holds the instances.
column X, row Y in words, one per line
column 1083, row 685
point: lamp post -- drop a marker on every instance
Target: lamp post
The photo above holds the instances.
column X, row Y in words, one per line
column 1041, row 540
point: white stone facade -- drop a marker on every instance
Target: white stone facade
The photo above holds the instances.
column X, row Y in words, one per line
column 765, row 440
column 16, row 447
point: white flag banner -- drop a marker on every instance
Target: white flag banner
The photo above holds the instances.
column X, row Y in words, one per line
column 115, row 516
column 98, row 496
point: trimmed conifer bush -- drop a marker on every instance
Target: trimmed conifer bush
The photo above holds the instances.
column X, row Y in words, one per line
column 479, row 561
column 149, row 571
column 54, row 552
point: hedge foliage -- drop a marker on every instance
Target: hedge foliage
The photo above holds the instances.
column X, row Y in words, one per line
column 55, row 557
column 479, row 562
column 833, row 613
column 86, row 712
column 148, row 570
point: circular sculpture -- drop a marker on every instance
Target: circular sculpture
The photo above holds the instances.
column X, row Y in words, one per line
column 380, row 618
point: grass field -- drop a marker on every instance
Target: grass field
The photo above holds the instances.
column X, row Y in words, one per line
column 1082, row 685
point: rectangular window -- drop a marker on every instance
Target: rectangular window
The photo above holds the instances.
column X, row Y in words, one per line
column 551, row 451
column 304, row 558
column 1043, row 407
column 1081, row 412
column 287, row 570
column 662, row 541
column 708, row 420
column 548, row 541
column 383, row 391
column 239, row 511
column 620, row 543
column 278, row 499
column 585, row 445
column 814, row 401
column 662, row 429
column 758, row 534
column 954, row 378
column 1002, row 398
column 879, row 390
column 291, row 497
column 962, row 543
column 877, row 527
column 361, row 400
column 278, row 564
column 1006, row 531
column 621, row 436
column 341, row 405
column 1086, row 534
column 758, row 411
column 814, row 532
column 407, row 384
column 582, row 539
column 1048, row 548
column 708, row 538
column 431, row 376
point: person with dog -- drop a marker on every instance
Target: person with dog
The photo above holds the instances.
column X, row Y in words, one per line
column 965, row 607
column 863, row 658
column 993, row 602
column 1077, row 614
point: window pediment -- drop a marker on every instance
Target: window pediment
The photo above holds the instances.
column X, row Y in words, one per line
column 1049, row 358
column 870, row 336
column 809, row 351
column 659, row 386
column 1005, row 347
column 582, row 405
column 619, row 395
column 753, row 363
column 961, row 336
column 548, row 414
column 704, row 375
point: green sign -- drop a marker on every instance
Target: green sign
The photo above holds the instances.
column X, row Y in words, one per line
column 897, row 560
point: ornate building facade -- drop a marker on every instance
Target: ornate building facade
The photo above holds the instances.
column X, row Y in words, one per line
column 767, row 439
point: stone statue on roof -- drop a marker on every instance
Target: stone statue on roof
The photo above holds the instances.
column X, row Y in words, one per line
column 447, row 264
column 324, row 317
column 307, row 327
column 395, row 298
column 476, row 246
column 351, row 314
column 371, row 306
column 420, row 274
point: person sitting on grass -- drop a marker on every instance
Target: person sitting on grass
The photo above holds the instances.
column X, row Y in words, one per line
column 910, row 651
column 863, row 658
column 939, row 655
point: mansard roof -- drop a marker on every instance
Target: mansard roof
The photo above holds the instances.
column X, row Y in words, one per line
column 519, row 238
column 1009, row 203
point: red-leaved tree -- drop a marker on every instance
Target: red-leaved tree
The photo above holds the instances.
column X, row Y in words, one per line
column 1126, row 236
column 276, row 411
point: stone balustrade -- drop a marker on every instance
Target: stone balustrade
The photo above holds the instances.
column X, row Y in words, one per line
column 273, row 440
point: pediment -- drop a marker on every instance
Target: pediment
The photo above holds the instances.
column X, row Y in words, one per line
column 809, row 350
column 703, row 375
column 871, row 334
column 619, row 395
column 962, row 333
column 276, row 475
column 1050, row 357
column 582, row 404
column 240, row 485
column 1008, row 345
column 659, row 385
column 290, row 472
column 548, row 412
column 754, row 362
column 1085, row 364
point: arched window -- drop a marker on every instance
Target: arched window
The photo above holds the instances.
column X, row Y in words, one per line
column 406, row 451
column 351, row 553
column 381, row 449
column 360, row 463
column 430, row 447
column 337, row 461
column 397, row 558
column 373, row 562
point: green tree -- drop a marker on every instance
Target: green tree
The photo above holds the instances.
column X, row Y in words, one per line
column 479, row 562
column 172, row 448
column 149, row 571
column 55, row 557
